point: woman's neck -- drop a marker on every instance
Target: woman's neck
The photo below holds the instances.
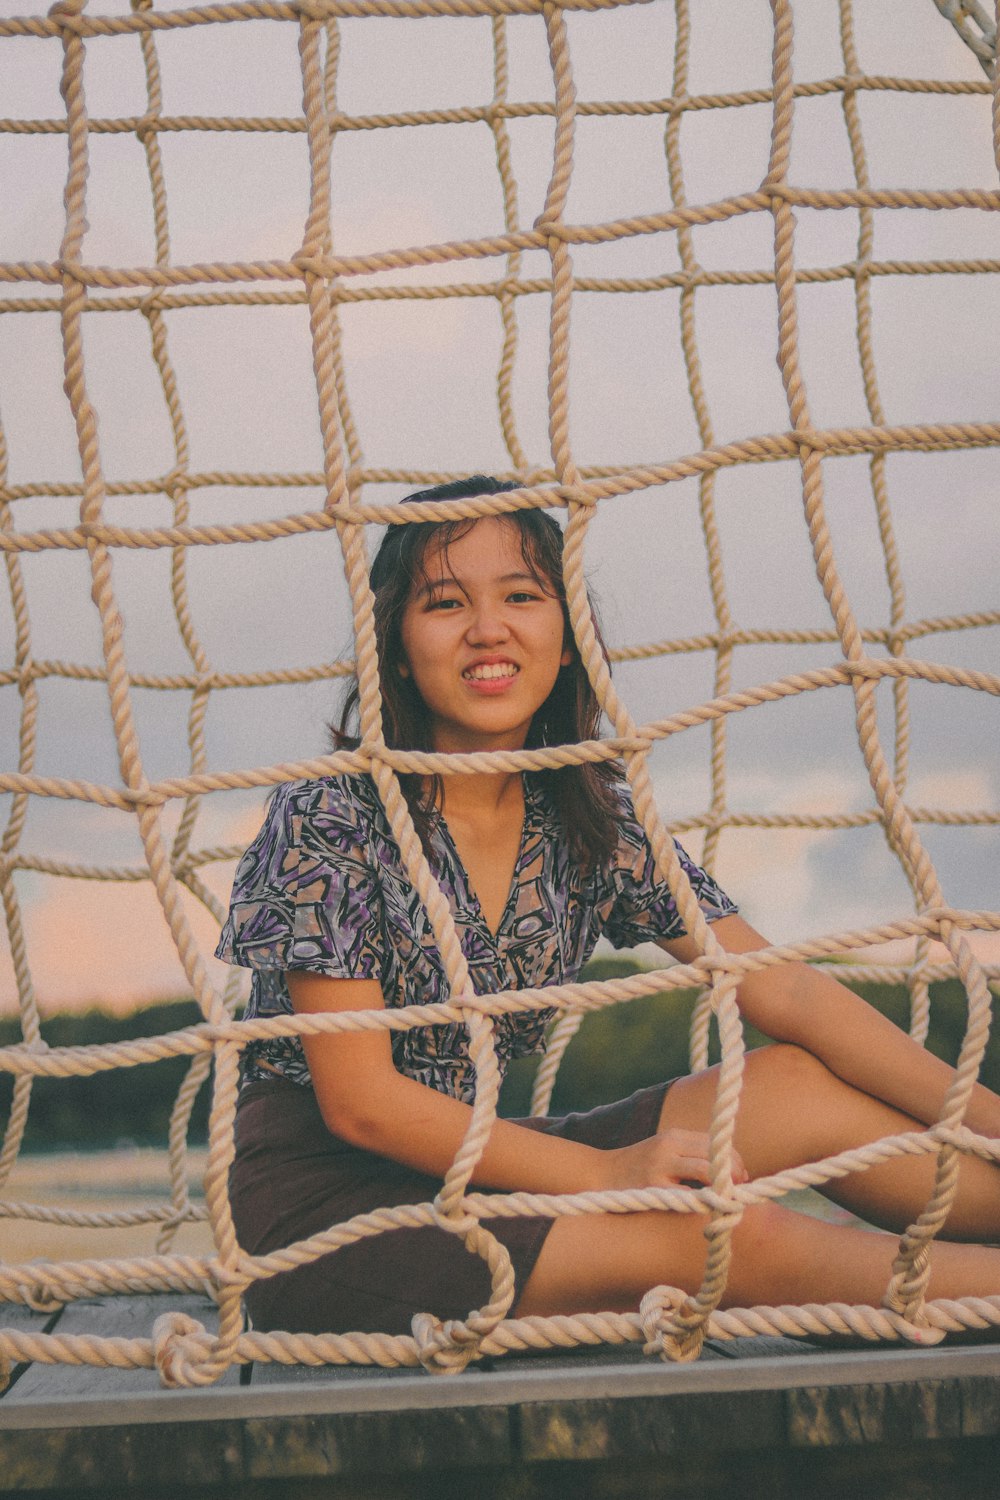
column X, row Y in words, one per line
column 482, row 798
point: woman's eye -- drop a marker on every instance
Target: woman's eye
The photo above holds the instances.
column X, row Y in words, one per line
column 523, row 596
column 443, row 603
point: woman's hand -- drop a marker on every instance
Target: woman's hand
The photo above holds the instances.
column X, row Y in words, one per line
column 663, row 1160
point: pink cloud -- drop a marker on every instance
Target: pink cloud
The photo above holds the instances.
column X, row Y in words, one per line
column 108, row 943
column 93, row 943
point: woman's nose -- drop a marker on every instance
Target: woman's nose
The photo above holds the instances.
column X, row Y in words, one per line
column 487, row 625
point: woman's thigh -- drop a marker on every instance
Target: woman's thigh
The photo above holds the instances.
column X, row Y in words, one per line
column 609, row 1262
column 292, row 1179
column 793, row 1110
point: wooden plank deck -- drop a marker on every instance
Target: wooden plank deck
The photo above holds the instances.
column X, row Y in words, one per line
column 759, row 1417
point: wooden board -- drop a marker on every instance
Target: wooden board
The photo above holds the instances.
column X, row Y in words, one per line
column 15, row 1317
column 764, row 1347
column 768, row 1416
column 855, row 1424
column 110, row 1317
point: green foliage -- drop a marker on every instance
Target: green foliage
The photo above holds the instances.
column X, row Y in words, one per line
column 124, row 1106
column 626, row 1047
column 618, row 1049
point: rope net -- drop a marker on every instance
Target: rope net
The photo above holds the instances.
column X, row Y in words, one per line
column 510, row 273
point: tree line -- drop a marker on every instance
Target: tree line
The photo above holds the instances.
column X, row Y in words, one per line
column 617, row 1049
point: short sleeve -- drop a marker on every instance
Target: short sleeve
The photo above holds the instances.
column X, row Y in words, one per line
column 305, row 894
column 644, row 909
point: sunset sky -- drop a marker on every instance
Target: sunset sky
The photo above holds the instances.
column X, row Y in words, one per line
column 422, row 378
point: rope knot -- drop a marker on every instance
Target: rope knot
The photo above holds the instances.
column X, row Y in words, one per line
column 437, row 1350
column 41, row 1298
column 372, row 751
column 720, row 966
column 453, row 1221
column 68, row 14
column 154, row 300
column 173, row 479
column 145, row 130
column 905, row 1293
column 72, row 270
column 447, row 1211
column 5, row 1371
column 667, row 1329
column 223, row 1273
column 919, row 1332
column 575, row 494
column 808, row 437
column 863, row 667
column 179, row 1349
column 308, row 264
column 553, row 228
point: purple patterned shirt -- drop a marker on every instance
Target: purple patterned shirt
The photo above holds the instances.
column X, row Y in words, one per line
column 322, row 888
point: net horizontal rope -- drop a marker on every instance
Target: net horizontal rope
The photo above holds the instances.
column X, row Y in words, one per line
column 69, row 288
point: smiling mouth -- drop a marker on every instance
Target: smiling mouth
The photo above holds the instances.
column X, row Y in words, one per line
column 491, row 671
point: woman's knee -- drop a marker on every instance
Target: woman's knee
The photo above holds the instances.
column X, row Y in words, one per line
column 787, row 1067
column 761, row 1232
column 779, row 1074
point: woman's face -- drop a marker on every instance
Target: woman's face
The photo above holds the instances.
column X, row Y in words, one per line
column 482, row 640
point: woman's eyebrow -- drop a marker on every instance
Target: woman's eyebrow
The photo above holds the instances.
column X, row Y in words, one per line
column 431, row 585
column 449, row 580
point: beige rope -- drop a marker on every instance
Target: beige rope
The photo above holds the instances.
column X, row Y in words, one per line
column 919, row 991
column 976, row 27
column 668, row 1322
column 508, row 287
column 767, row 448
column 702, row 1015
column 499, row 110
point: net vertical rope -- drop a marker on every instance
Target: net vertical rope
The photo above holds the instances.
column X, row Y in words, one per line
column 322, row 280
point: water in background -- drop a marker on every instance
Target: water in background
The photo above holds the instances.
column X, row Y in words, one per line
column 132, row 1178
column 95, row 1182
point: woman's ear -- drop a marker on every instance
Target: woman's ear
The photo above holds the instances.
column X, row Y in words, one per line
column 566, row 657
column 403, row 668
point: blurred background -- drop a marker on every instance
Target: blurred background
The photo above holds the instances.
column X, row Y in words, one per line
column 421, row 377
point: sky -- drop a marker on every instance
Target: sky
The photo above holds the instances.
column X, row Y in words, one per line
column 422, row 383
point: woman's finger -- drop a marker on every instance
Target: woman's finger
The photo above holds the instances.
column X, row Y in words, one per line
column 696, row 1144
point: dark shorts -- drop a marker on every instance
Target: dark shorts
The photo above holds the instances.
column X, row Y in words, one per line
column 292, row 1178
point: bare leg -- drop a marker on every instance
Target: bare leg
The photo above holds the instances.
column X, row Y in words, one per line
column 794, row 1110
column 608, row 1262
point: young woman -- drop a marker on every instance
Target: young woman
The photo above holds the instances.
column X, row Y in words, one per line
column 476, row 654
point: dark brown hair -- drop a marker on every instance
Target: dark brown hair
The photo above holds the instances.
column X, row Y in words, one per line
column 582, row 795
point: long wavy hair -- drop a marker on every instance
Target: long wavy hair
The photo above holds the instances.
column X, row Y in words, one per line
column 583, row 796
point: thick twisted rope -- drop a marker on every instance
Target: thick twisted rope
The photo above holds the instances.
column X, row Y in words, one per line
column 669, row 1322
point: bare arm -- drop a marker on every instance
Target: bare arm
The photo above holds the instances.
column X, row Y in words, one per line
column 810, row 1008
column 364, row 1100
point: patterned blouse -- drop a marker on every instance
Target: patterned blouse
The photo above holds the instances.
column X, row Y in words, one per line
column 322, row 888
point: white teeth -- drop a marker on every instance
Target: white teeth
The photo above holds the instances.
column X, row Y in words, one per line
column 489, row 671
